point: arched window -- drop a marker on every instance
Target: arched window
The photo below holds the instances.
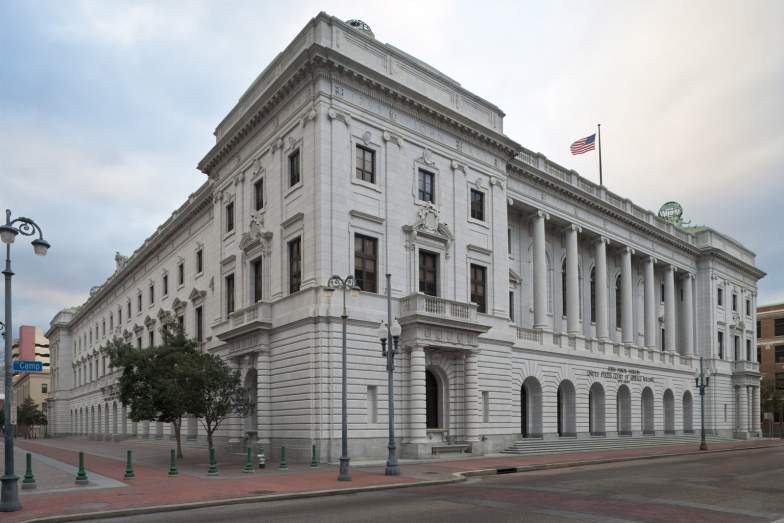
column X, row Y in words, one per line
column 618, row 306
column 593, row 295
column 563, row 286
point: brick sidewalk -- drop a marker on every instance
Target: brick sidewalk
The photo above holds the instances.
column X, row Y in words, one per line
column 152, row 486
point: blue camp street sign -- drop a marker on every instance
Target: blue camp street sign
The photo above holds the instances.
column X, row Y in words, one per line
column 28, row 366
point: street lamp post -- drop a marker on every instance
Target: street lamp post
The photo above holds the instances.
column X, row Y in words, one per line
column 702, row 380
column 9, row 491
column 346, row 284
column 390, row 331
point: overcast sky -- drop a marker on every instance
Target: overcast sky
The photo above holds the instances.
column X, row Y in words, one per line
column 106, row 107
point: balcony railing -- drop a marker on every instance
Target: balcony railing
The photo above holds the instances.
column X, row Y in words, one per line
column 746, row 366
column 534, row 335
column 425, row 305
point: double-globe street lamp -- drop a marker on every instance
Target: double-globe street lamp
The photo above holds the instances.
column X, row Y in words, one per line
column 390, row 330
column 346, row 284
column 702, row 380
column 9, row 492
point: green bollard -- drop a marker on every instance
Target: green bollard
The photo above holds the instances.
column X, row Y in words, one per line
column 249, row 463
column 313, row 459
column 29, row 480
column 283, row 465
column 213, row 468
column 81, row 475
column 172, row 464
column 129, row 468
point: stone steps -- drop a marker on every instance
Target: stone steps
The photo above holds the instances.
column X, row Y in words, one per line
column 540, row 446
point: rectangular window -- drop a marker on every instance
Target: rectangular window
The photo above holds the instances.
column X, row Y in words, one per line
column 477, row 205
column 778, row 327
column 165, row 284
column 139, row 302
column 509, row 241
column 735, row 302
column 180, row 273
column 129, row 310
column 181, row 323
column 779, row 382
column 139, row 342
column 720, row 297
column 365, row 263
column 44, row 388
column 295, row 265
column 721, row 345
column 759, row 354
column 485, row 406
column 229, row 294
column 152, row 338
column 748, row 307
column 294, row 174
column 426, row 186
column 479, row 287
column 664, row 339
column 511, row 305
column 199, row 261
column 199, row 320
column 119, row 315
column 759, row 329
column 372, row 404
column 748, row 350
column 428, row 273
column 256, row 275
column 258, row 194
column 111, row 321
column 229, row 216
column 736, row 347
column 366, row 164
column 779, row 353
column 662, row 292
column 152, row 293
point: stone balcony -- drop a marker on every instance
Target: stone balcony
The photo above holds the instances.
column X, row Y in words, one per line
column 436, row 321
column 745, row 367
column 243, row 321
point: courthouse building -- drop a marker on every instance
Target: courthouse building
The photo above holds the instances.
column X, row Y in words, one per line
column 533, row 302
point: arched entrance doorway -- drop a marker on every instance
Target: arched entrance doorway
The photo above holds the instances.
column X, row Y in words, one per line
column 623, row 405
column 668, row 401
column 531, row 408
column 647, row 411
column 688, row 413
column 567, row 420
column 596, row 410
column 432, row 401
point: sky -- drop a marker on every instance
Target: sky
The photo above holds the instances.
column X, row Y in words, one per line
column 107, row 106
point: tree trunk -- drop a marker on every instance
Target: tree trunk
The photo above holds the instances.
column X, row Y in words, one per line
column 177, row 434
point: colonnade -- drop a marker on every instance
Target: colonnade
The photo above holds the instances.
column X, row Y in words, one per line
column 747, row 398
column 572, row 306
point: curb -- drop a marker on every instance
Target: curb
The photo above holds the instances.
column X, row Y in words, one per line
column 457, row 477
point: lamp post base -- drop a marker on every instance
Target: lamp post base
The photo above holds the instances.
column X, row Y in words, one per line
column 9, row 502
column 345, row 473
column 703, row 445
column 393, row 469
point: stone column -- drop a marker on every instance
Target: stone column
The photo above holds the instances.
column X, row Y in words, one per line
column 540, row 270
column 600, row 285
column 417, row 396
column 741, row 415
column 627, row 317
column 755, row 410
column 572, row 281
column 669, row 308
column 650, row 304
column 688, row 314
column 472, row 396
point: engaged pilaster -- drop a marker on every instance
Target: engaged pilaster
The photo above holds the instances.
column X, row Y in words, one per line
column 669, row 308
column 572, row 281
column 540, row 270
column 627, row 318
column 602, row 299
column 650, row 304
column 688, row 314
column 472, row 396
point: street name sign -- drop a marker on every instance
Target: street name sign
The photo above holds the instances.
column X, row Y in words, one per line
column 28, row 366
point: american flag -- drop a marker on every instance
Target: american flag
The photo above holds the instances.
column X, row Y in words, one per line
column 583, row 145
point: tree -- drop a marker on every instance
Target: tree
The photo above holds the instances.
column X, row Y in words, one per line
column 28, row 414
column 155, row 382
column 771, row 398
column 217, row 393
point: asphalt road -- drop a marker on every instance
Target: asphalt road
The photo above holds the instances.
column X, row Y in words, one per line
column 733, row 486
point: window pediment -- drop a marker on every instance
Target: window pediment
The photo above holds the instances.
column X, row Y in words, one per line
column 428, row 225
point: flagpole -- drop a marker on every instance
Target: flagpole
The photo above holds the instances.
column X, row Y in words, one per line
column 599, row 127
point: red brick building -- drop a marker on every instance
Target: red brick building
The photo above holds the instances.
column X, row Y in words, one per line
column 770, row 348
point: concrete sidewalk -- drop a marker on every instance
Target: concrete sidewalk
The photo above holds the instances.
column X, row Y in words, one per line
column 152, row 487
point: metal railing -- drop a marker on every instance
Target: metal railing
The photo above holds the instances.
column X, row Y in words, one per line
column 437, row 307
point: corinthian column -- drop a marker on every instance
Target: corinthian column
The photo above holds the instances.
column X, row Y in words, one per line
column 600, row 286
column 472, row 396
column 540, row 271
column 417, row 396
column 572, row 281
column 650, row 304
column 688, row 314
column 741, row 413
column 627, row 319
column 669, row 308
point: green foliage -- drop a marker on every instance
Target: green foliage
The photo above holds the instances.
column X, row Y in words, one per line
column 772, row 398
column 29, row 414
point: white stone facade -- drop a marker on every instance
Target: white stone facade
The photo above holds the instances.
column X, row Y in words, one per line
column 617, row 356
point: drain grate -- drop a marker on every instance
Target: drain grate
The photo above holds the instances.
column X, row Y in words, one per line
column 506, row 470
column 261, row 492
